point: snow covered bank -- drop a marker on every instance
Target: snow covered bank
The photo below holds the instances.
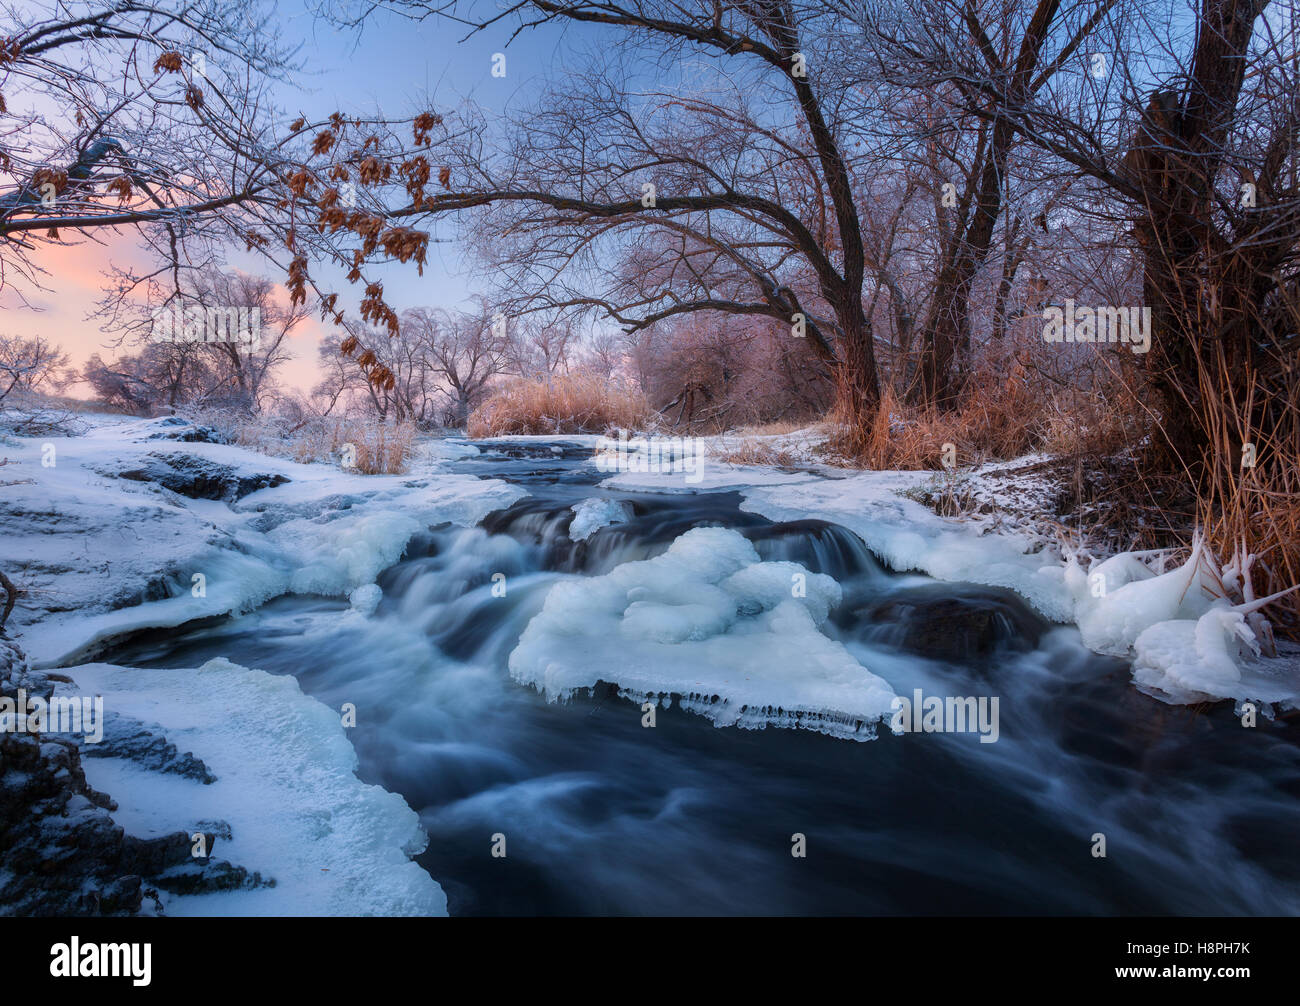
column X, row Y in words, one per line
column 122, row 529
column 1190, row 642
column 909, row 536
column 285, row 804
column 737, row 638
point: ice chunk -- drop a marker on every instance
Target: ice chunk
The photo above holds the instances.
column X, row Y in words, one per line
column 593, row 514
column 736, row 638
column 365, row 599
column 1214, row 657
column 764, row 585
column 1110, row 623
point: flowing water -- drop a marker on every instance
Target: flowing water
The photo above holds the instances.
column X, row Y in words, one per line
column 602, row 815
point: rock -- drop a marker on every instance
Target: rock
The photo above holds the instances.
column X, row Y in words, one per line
column 184, row 431
column 130, row 739
column 61, row 853
column 195, row 477
column 953, row 622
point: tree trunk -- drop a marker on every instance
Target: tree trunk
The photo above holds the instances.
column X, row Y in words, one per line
column 857, row 381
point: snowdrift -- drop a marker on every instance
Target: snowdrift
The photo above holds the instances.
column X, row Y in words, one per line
column 285, row 787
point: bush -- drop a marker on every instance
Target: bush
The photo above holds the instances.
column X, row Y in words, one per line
column 999, row 422
column 380, row 447
column 573, row 403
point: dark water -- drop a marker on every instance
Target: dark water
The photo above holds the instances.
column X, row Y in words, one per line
column 602, row 815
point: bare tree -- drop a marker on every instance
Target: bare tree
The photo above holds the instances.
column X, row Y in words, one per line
column 27, row 363
column 645, row 203
column 962, row 50
column 128, row 113
column 464, row 353
column 249, row 360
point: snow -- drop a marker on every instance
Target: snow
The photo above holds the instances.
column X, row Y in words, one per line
column 715, row 475
column 102, row 557
column 1213, row 657
column 286, row 786
column 1187, row 641
column 738, row 639
column 909, row 536
column 592, row 514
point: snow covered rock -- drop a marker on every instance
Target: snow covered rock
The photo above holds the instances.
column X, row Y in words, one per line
column 736, row 638
column 61, row 851
column 193, row 476
column 285, row 794
column 181, row 430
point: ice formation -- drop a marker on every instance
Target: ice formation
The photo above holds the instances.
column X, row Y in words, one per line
column 591, row 515
column 738, row 639
column 1190, row 642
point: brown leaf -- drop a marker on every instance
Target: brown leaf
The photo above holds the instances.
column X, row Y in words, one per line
column 169, row 62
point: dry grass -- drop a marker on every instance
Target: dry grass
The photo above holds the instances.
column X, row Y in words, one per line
column 1001, row 418
column 1254, row 508
column 749, row 451
column 573, row 403
column 363, row 444
column 779, row 428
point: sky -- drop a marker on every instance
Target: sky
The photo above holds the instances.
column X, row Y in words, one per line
column 393, row 63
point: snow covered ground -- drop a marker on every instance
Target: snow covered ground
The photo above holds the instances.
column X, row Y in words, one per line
column 106, row 549
column 127, row 528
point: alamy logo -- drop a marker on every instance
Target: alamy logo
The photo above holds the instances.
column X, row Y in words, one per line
column 652, row 455
column 62, row 714
column 102, row 960
column 195, row 323
column 1099, row 324
column 952, row 714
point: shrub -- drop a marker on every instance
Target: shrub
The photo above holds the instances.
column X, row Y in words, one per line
column 381, row 447
column 572, row 403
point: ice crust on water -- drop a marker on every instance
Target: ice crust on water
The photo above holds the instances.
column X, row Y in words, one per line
column 286, row 785
column 709, row 622
column 591, row 515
